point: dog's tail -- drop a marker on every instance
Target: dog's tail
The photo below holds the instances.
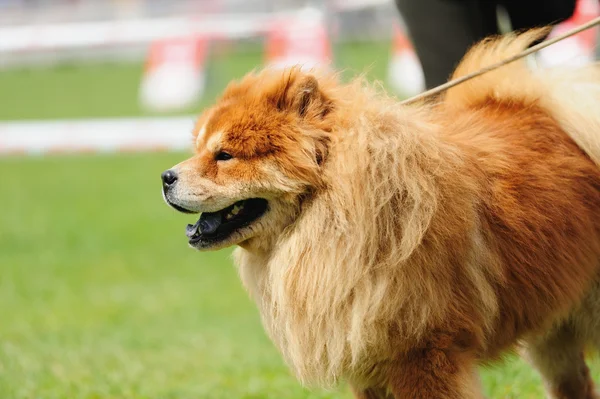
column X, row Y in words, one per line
column 571, row 95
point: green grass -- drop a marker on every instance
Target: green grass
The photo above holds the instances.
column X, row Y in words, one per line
column 100, row 297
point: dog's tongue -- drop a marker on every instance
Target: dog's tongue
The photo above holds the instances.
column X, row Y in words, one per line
column 192, row 229
column 207, row 224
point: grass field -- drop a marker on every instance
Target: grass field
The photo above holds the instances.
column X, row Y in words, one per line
column 100, row 297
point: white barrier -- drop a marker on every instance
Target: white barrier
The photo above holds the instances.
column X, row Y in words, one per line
column 33, row 38
column 99, row 135
column 81, row 35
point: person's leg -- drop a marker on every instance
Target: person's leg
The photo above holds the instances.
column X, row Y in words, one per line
column 443, row 30
column 536, row 13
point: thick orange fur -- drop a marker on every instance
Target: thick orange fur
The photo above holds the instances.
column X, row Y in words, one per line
column 406, row 245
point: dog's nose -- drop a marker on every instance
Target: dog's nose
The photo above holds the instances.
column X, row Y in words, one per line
column 169, row 177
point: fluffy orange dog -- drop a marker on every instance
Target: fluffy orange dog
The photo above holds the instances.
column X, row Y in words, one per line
column 398, row 247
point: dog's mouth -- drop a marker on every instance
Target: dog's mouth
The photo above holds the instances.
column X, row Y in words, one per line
column 214, row 227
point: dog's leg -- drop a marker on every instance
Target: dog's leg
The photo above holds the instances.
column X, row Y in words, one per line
column 436, row 374
column 558, row 356
column 371, row 393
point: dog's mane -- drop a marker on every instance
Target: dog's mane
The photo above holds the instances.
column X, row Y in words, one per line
column 342, row 274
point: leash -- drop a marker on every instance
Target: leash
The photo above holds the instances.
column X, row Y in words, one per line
column 525, row 53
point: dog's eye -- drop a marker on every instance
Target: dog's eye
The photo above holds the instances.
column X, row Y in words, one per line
column 223, row 156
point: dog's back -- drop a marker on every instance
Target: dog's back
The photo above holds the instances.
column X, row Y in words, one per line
column 571, row 96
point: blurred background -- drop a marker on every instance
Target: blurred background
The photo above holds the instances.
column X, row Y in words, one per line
column 99, row 295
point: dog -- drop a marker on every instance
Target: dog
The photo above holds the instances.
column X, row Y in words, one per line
column 399, row 247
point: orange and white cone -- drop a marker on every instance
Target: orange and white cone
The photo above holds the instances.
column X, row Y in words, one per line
column 578, row 49
column 175, row 74
column 300, row 40
column 405, row 74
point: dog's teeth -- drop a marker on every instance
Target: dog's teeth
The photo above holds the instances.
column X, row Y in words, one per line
column 237, row 208
column 234, row 211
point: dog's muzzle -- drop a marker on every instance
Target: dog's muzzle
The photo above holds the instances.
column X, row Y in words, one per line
column 169, row 180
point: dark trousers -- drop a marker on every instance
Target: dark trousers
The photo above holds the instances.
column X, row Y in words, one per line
column 443, row 30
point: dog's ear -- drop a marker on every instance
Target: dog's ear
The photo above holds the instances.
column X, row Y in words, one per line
column 306, row 94
column 309, row 100
column 301, row 94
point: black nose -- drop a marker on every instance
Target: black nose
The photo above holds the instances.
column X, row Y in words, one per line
column 169, row 177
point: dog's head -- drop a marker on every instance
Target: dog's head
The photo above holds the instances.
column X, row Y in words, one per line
column 258, row 152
